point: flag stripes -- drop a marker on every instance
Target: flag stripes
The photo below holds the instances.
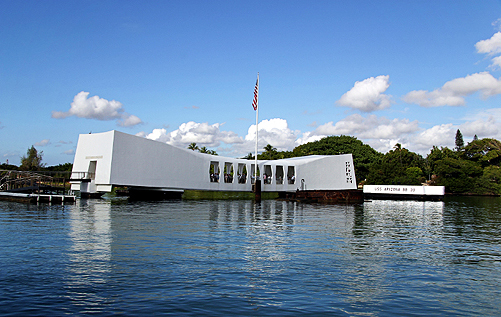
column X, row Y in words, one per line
column 256, row 92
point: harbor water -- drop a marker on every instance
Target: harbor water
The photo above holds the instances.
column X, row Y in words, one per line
column 214, row 258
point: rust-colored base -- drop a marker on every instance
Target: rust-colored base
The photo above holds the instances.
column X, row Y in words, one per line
column 329, row 196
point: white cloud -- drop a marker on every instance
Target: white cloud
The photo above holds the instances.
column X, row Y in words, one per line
column 371, row 127
column 129, row 120
column 496, row 61
column 98, row 108
column 275, row 132
column 69, row 152
column 482, row 128
column 439, row 135
column 201, row 133
column 490, row 46
column 44, row 142
column 453, row 92
column 367, row 95
column 445, row 134
column 379, row 132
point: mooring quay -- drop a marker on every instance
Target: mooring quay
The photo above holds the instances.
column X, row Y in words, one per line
column 37, row 198
column 35, row 187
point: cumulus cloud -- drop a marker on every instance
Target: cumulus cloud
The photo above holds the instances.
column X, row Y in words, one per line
column 439, row 135
column 453, row 92
column 381, row 133
column 99, row 109
column 481, row 127
column 371, row 127
column 275, row 132
column 445, row 134
column 485, row 123
column 490, row 46
column 203, row 134
column 368, row 95
column 44, row 142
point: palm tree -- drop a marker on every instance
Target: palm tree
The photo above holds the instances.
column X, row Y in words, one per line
column 193, row 146
column 203, row 149
column 270, row 150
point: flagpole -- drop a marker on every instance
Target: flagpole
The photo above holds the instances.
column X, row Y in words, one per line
column 257, row 115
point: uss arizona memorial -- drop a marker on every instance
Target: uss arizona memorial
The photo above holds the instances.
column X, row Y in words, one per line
column 108, row 159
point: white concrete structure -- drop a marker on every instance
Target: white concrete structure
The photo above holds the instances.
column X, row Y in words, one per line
column 405, row 190
column 108, row 159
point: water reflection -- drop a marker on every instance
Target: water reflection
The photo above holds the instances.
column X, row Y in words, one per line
column 237, row 257
column 387, row 236
column 89, row 253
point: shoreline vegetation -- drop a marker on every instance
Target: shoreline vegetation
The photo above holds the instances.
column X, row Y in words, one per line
column 466, row 170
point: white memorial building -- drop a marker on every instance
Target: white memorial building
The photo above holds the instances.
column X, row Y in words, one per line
column 108, row 159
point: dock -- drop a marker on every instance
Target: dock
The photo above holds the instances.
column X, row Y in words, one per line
column 35, row 187
column 37, row 198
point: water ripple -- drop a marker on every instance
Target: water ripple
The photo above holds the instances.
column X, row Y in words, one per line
column 379, row 258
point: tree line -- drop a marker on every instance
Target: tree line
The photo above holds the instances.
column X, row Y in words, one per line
column 474, row 168
column 32, row 161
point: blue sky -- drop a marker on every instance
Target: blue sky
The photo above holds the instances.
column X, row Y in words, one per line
column 411, row 72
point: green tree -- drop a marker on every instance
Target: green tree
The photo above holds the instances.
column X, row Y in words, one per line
column 473, row 170
column 485, row 151
column 270, row 153
column 193, row 146
column 66, row 167
column 457, row 175
column 459, row 140
column 203, row 149
column 398, row 167
column 364, row 156
column 32, row 161
column 489, row 182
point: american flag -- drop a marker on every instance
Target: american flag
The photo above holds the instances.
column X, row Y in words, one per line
column 256, row 92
